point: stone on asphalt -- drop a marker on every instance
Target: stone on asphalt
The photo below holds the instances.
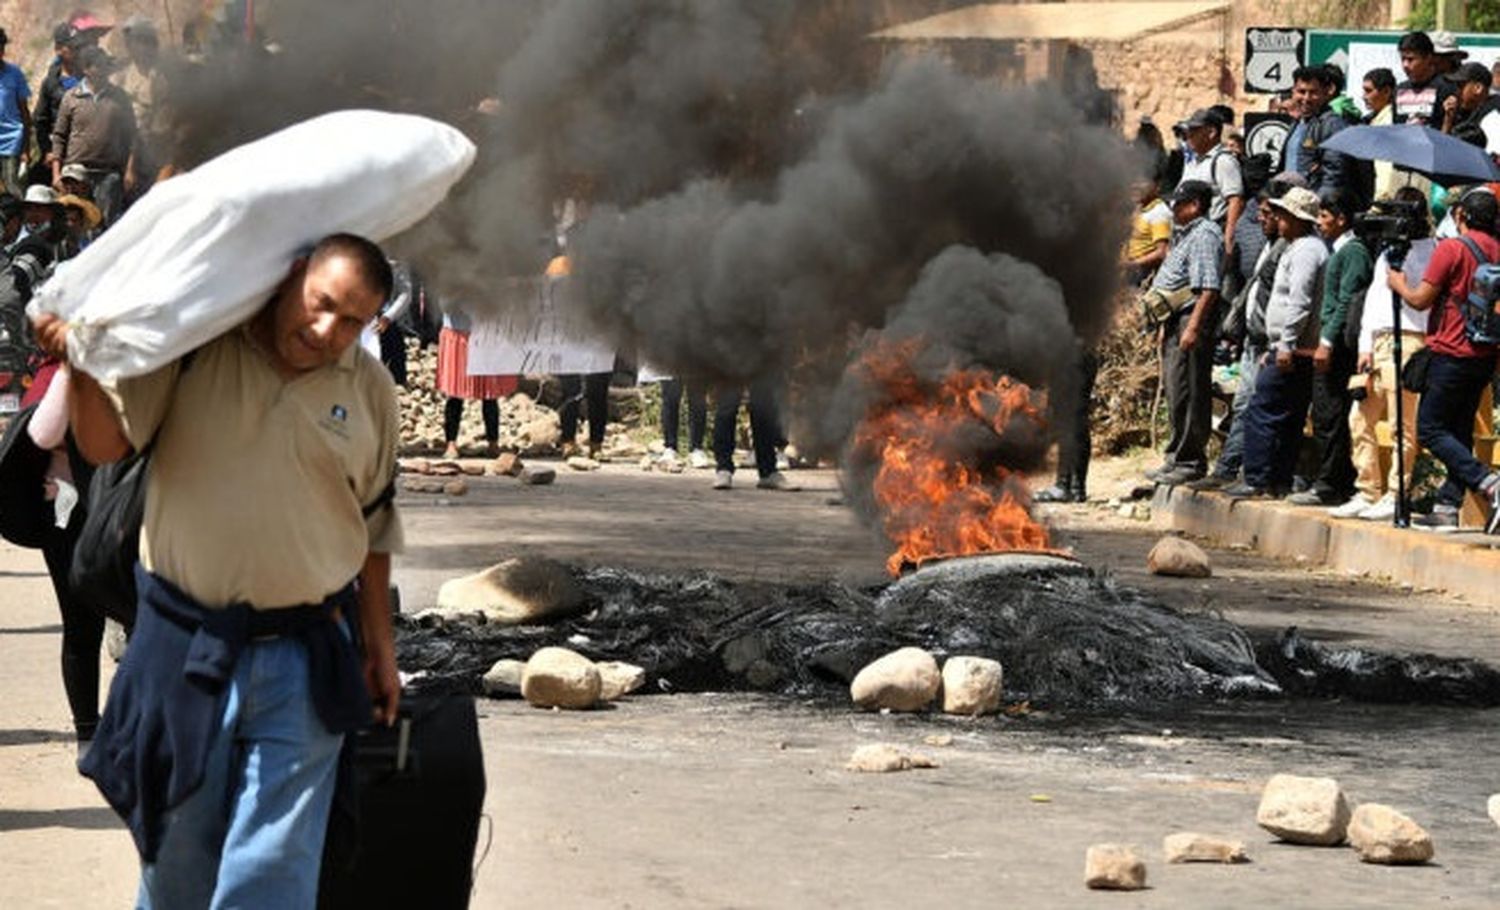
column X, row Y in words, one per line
column 618, row 679
column 1113, row 867
column 582, row 463
column 1192, row 847
column 541, row 434
column 456, row 488
column 533, row 476
column 507, row 464
column 880, row 758
column 1174, row 556
column 504, row 678
column 446, row 469
column 559, row 678
column 971, row 685
column 903, row 680
column 526, row 589
column 1304, row 810
column 1382, row 835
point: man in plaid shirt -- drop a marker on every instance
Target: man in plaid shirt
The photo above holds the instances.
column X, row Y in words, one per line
column 1195, row 262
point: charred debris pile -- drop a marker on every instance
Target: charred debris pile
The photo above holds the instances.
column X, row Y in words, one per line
column 1068, row 637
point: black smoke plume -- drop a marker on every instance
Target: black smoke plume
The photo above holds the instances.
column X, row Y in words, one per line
column 766, row 190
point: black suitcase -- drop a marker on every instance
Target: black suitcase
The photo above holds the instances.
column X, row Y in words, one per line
column 407, row 837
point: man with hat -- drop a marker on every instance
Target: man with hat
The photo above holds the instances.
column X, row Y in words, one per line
column 1216, row 166
column 15, row 120
column 1283, row 389
column 96, row 129
column 1472, row 113
column 1193, row 269
column 1446, row 53
column 62, row 76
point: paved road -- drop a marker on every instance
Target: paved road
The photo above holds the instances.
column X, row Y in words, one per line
column 734, row 801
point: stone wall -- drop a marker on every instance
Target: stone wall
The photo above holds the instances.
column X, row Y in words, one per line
column 1163, row 79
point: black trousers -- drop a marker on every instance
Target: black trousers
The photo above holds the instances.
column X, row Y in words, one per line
column 393, row 353
column 1075, row 443
column 453, row 415
column 671, row 414
column 765, row 426
column 1331, row 402
column 1188, row 376
column 592, row 392
column 83, row 632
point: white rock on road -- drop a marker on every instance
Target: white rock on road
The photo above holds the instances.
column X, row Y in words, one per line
column 504, row 678
column 1192, row 847
column 903, row 680
column 559, row 678
column 1304, row 810
column 618, row 679
column 880, row 758
column 1113, row 867
column 1382, row 835
column 1494, row 807
column 527, row 589
column 971, row 685
column 1174, row 556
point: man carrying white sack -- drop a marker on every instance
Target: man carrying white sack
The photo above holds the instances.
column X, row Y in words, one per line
column 268, row 531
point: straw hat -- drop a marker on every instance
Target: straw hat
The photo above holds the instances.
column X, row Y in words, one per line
column 91, row 214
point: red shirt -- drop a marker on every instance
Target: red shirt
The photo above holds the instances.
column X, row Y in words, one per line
column 1451, row 271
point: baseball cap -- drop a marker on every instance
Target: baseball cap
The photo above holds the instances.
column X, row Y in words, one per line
column 1471, row 72
column 65, row 34
column 1202, row 117
column 1193, row 191
column 74, row 172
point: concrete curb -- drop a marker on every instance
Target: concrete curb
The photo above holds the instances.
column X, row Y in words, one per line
column 1467, row 564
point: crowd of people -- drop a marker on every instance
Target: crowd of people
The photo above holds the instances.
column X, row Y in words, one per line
column 1310, row 273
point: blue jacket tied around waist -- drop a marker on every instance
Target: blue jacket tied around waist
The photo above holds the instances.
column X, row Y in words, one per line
column 167, row 699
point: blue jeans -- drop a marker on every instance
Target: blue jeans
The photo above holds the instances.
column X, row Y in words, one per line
column 252, row 834
column 1445, row 420
column 1232, row 458
column 1273, row 424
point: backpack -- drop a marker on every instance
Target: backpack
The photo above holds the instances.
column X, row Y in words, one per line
column 1481, row 322
column 1255, row 173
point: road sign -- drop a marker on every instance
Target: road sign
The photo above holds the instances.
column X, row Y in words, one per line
column 1267, row 133
column 1271, row 55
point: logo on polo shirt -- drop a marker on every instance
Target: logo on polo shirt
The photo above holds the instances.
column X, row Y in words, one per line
column 336, row 422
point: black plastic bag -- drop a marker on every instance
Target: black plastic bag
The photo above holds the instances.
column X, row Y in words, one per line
column 103, row 570
column 25, row 513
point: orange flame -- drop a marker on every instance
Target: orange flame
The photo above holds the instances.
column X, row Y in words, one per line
column 931, row 506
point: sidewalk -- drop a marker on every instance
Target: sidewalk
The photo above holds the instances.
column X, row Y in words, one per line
column 1465, row 563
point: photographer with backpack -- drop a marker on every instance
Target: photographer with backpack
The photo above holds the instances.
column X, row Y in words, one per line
column 1459, row 289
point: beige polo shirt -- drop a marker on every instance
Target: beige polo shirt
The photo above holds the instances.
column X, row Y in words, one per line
column 257, row 483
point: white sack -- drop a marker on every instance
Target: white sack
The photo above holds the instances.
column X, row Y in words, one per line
column 201, row 253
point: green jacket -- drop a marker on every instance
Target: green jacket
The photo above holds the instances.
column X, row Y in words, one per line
column 1345, row 280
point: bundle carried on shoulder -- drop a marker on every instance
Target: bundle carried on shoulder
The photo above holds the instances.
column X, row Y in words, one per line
column 201, row 253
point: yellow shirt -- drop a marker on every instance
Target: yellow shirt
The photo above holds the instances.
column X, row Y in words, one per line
column 1152, row 225
column 257, row 483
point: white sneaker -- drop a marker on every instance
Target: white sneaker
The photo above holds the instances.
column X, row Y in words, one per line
column 776, row 481
column 1384, row 510
column 699, row 460
column 723, row 480
column 667, row 459
column 1354, row 508
column 783, row 463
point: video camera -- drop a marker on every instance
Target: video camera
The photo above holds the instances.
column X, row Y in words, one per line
column 1391, row 224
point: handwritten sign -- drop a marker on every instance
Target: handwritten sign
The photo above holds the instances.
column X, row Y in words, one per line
column 536, row 331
